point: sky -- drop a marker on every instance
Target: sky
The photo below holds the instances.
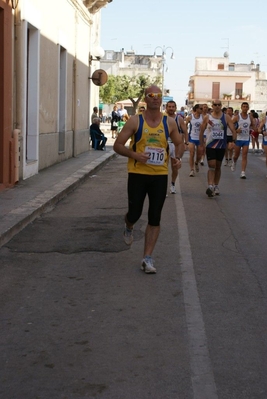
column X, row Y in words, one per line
column 192, row 28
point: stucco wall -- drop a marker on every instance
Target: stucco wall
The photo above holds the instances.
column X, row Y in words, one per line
column 6, row 50
column 63, row 26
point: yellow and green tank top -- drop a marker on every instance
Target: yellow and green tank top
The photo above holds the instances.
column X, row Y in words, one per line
column 153, row 140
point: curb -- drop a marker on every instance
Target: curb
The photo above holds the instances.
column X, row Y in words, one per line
column 19, row 218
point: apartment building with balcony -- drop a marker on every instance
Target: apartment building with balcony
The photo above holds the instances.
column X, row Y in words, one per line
column 232, row 83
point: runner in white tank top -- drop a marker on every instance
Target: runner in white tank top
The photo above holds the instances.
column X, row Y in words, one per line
column 195, row 120
column 245, row 123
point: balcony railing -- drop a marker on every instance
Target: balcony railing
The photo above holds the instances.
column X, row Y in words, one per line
column 245, row 97
column 226, row 97
column 231, row 97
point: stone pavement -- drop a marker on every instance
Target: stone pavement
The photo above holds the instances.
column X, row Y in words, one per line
column 24, row 202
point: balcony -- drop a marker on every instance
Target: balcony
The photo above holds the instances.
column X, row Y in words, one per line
column 243, row 97
column 204, row 97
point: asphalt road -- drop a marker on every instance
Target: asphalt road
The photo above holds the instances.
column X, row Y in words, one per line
column 79, row 319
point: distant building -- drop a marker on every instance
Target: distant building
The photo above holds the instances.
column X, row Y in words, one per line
column 120, row 63
column 128, row 63
column 219, row 78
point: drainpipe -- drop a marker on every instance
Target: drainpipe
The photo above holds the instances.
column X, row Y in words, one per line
column 74, row 105
column 17, row 93
column 90, row 106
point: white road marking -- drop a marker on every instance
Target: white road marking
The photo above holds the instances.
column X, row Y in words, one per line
column 201, row 370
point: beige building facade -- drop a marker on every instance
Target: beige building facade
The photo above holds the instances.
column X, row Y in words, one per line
column 219, row 78
column 56, row 50
column 7, row 151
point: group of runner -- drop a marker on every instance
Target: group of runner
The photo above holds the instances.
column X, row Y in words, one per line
column 156, row 136
column 219, row 133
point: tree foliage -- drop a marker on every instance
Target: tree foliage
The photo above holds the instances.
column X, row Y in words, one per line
column 119, row 88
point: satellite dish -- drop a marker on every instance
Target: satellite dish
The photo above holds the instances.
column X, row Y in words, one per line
column 226, row 55
column 99, row 77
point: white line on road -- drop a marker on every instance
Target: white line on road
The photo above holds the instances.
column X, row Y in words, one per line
column 201, row 370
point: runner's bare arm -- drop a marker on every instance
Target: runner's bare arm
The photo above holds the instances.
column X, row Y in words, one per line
column 184, row 128
column 234, row 120
column 261, row 125
column 177, row 140
column 202, row 130
column 230, row 123
column 253, row 123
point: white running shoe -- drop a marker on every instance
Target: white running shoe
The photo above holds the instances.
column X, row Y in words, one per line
column 192, row 173
column 128, row 235
column 147, row 265
column 233, row 166
column 226, row 162
column 216, row 190
column 172, row 189
column 243, row 175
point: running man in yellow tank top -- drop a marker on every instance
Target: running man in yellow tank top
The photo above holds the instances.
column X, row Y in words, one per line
column 148, row 156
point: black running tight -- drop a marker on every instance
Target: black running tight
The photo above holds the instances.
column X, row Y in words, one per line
column 155, row 186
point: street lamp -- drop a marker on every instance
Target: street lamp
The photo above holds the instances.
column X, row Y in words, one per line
column 163, row 56
column 98, row 53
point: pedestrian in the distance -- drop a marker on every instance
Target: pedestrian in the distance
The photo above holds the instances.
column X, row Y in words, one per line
column 94, row 114
column 97, row 134
column 114, row 121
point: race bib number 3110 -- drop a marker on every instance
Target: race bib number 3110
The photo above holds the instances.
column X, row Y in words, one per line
column 156, row 155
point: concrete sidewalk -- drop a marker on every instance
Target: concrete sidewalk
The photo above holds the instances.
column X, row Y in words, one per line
column 23, row 203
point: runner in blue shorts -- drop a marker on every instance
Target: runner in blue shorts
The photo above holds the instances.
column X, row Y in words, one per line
column 195, row 120
column 215, row 125
column 245, row 124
